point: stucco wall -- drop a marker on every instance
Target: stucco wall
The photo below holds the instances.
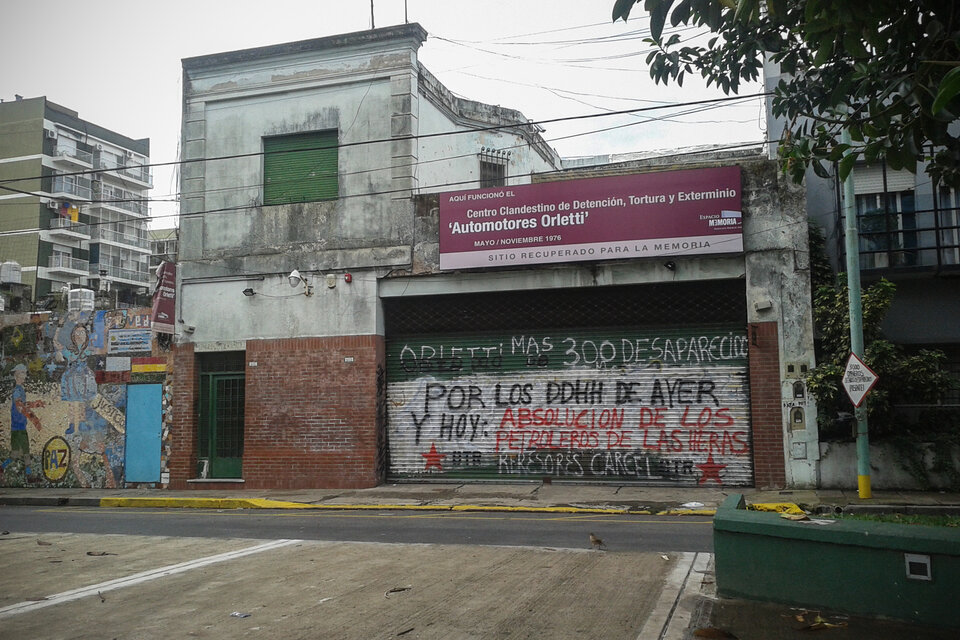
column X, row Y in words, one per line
column 365, row 86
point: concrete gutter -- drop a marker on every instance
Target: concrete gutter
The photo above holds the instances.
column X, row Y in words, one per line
column 260, row 503
column 480, row 497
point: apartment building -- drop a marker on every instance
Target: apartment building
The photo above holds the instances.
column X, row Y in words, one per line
column 74, row 202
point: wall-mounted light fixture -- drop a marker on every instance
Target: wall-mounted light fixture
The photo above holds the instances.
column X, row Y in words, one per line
column 670, row 265
column 296, row 280
column 249, row 292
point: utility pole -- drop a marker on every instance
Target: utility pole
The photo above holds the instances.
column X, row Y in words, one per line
column 852, row 246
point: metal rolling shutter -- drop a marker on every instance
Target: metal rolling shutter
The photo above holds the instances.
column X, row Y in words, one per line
column 300, row 168
column 870, row 180
column 658, row 406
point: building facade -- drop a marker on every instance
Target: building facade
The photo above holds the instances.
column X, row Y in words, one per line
column 75, row 201
column 909, row 233
column 345, row 314
column 163, row 246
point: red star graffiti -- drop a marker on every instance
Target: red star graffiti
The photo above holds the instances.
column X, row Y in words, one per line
column 433, row 458
column 711, row 470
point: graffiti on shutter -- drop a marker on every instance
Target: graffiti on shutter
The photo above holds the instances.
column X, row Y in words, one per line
column 668, row 407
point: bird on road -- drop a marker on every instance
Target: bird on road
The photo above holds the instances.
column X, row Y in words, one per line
column 597, row 542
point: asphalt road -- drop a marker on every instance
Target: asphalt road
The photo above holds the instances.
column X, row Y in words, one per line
column 140, row 574
column 561, row 531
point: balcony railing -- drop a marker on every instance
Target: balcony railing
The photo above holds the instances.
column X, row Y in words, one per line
column 126, row 168
column 137, row 172
column 109, row 235
column 121, row 199
column 108, row 270
column 910, row 239
column 73, row 185
column 72, row 152
column 60, row 262
column 65, row 224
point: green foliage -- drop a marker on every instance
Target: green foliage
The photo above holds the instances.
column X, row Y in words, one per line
column 935, row 436
column 903, row 379
column 886, row 70
column 821, row 272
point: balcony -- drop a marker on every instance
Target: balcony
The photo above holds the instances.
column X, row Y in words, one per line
column 126, row 201
column 63, row 264
column 125, row 168
column 72, row 186
column 130, row 276
column 68, row 229
column 77, row 156
column 922, row 240
column 128, row 240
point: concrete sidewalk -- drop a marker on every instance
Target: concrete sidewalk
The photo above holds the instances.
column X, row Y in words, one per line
column 529, row 497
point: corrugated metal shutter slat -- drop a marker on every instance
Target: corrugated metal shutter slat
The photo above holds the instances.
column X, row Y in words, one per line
column 870, row 180
column 300, row 168
column 664, row 406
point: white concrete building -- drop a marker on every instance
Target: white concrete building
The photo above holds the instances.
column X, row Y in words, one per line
column 323, row 308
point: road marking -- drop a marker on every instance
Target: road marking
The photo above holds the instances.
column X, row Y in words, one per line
column 668, row 621
column 137, row 578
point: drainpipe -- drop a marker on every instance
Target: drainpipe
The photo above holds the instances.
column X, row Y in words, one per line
column 852, row 242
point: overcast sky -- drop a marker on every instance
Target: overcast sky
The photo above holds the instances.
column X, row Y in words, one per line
column 117, row 63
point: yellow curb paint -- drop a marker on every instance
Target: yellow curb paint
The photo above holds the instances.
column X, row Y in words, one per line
column 688, row 512
column 778, row 507
column 262, row 503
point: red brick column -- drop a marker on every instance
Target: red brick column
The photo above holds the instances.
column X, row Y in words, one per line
column 185, row 388
column 765, row 406
column 311, row 417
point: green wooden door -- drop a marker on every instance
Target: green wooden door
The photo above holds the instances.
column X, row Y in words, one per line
column 221, row 423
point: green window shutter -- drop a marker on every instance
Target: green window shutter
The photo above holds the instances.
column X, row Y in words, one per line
column 300, row 168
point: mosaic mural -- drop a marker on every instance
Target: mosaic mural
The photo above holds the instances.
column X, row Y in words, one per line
column 63, row 396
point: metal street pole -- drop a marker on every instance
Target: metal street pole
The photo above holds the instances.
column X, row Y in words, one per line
column 852, row 245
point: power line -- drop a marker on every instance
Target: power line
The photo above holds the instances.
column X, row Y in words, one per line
column 428, row 188
column 342, row 145
column 696, row 109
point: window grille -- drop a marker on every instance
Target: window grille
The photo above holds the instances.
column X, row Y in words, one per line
column 493, row 167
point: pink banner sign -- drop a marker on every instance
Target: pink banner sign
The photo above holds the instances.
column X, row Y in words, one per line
column 674, row 213
column 165, row 298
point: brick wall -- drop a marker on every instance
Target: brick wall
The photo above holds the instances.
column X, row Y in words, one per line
column 311, row 414
column 183, row 381
column 765, row 406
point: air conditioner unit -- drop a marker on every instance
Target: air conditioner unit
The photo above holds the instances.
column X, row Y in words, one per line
column 50, row 134
column 52, row 204
column 99, row 147
column 80, row 300
column 127, row 153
